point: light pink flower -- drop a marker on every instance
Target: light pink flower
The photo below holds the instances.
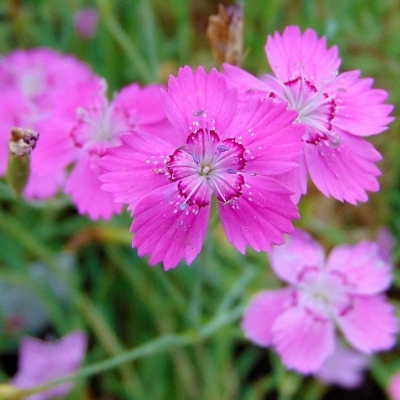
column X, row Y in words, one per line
column 86, row 21
column 344, row 367
column 98, row 124
column 299, row 321
column 34, row 85
column 41, row 362
column 217, row 147
column 393, row 388
column 338, row 111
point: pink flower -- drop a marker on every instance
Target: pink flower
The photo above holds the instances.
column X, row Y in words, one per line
column 217, row 147
column 86, row 21
column 393, row 388
column 41, row 362
column 337, row 110
column 97, row 126
column 298, row 321
column 344, row 367
column 34, row 85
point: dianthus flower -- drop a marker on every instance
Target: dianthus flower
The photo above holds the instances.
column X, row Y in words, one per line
column 41, row 362
column 34, row 85
column 298, row 321
column 97, row 125
column 337, row 110
column 217, row 147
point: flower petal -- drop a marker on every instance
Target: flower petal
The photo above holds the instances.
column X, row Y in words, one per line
column 41, row 362
column 344, row 367
column 370, row 324
column 260, row 315
column 43, row 185
column 302, row 339
column 296, row 180
column 299, row 250
column 393, row 387
column 293, row 54
column 192, row 93
column 166, row 230
column 361, row 111
column 248, row 86
column 362, row 266
column 143, row 107
column 135, row 168
column 346, row 171
column 267, row 132
column 84, row 184
column 260, row 216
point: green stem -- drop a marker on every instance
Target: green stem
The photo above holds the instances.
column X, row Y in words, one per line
column 127, row 45
column 158, row 345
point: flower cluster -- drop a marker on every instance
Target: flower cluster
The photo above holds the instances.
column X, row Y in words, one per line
column 244, row 143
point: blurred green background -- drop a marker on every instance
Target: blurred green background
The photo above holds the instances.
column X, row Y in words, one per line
column 114, row 295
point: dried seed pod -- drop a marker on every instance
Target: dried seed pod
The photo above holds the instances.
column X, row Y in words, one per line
column 225, row 34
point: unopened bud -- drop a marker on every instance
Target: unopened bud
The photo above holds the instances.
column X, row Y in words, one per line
column 21, row 144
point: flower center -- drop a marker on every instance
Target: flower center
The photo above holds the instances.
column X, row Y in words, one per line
column 206, row 164
column 323, row 291
column 316, row 109
column 98, row 127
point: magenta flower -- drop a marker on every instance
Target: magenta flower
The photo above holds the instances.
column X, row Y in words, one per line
column 34, row 85
column 298, row 321
column 97, row 126
column 344, row 367
column 217, row 147
column 393, row 388
column 41, row 362
column 337, row 110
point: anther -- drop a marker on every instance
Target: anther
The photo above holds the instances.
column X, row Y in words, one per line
column 221, row 148
column 196, row 158
column 231, row 171
column 198, row 113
